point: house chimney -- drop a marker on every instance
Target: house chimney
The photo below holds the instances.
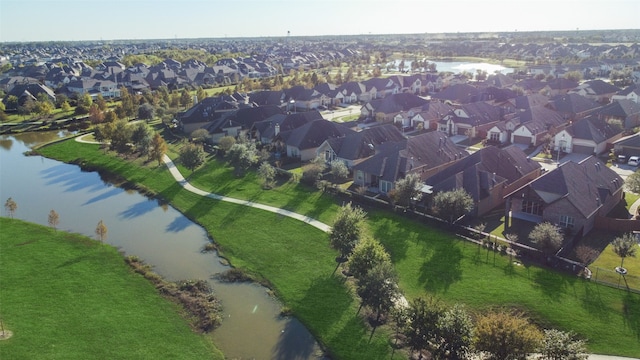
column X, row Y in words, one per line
column 195, row 99
column 277, row 130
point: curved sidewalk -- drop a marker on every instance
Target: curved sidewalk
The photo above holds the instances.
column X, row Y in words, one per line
column 185, row 184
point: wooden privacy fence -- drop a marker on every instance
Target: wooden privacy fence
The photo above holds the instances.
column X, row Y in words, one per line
column 624, row 225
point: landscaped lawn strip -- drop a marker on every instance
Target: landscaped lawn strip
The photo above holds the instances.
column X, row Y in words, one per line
column 65, row 296
column 298, row 262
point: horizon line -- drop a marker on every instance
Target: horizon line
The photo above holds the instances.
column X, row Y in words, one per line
column 319, row 35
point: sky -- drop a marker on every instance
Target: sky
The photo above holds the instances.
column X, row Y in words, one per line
column 73, row 20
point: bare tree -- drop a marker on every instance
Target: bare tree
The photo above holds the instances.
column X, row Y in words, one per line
column 101, row 231
column 11, row 207
column 54, row 219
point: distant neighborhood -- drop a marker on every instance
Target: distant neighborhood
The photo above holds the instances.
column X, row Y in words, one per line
column 410, row 119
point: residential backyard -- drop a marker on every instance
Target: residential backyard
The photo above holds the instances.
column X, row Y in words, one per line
column 298, row 262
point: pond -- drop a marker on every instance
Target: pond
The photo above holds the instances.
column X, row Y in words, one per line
column 155, row 232
column 458, row 67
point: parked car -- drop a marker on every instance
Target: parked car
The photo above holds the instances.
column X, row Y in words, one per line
column 634, row 160
column 622, row 159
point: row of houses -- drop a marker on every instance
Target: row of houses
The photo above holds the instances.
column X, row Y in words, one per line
column 390, row 147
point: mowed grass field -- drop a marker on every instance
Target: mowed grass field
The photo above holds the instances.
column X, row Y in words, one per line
column 298, row 262
column 65, row 296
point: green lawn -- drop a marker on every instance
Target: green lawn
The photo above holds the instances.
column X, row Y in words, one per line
column 298, row 262
column 65, row 296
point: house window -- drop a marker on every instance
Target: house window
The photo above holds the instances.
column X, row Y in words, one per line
column 385, row 186
column 494, row 136
column 532, row 207
column 567, row 221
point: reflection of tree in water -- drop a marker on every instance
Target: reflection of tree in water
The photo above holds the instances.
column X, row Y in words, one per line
column 6, row 144
column 296, row 343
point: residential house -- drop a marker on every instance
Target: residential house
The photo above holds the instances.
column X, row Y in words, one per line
column 570, row 196
column 631, row 92
column 385, row 110
column 303, row 142
column 487, row 176
column 303, row 99
column 8, row 83
column 458, row 94
column 558, row 86
column 357, row 146
column 572, row 106
column 596, row 90
column 266, row 130
column 534, row 124
column 591, row 135
column 424, row 154
column 206, row 111
column 239, row 122
column 106, row 88
column 377, row 88
column 625, row 110
column 428, row 117
column 350, row 93
column 25, row 92
column 472, row 120
column 628, row 145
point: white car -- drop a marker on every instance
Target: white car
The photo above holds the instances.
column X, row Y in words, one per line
column 634, row 160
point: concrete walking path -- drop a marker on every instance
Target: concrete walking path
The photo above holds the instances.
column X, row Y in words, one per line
column 185, row 184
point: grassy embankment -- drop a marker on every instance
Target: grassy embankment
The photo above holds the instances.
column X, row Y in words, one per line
column 65, row 296
column 298, row 262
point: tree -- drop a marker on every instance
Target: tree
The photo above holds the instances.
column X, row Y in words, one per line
column 345, row 233
column 242, row 156
column 200, row 94
column 200, row 135
column 85, row 100
column 407, row 189
column 573, row 75
column 312, row 171
column 226, row 142
column 146, row 112
column 121, row 136
column 452, row 204
column 506, row 336
column 421, row 327
column 632, row 183
column 96, row 116
column 65, row 107
column 185, row 98
column 560, row 345
column 127, row 106
column 547, row 236
column 101, row 102
column 625, row 246
column 378, row 288
column 267, row 173
column 192, row 156
column 141, row 137
column 366, row 254
column 339, row 170
column 11, row 206
column 53, row 219
column 158, row 148
column 455, row 330
column 101, row 230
